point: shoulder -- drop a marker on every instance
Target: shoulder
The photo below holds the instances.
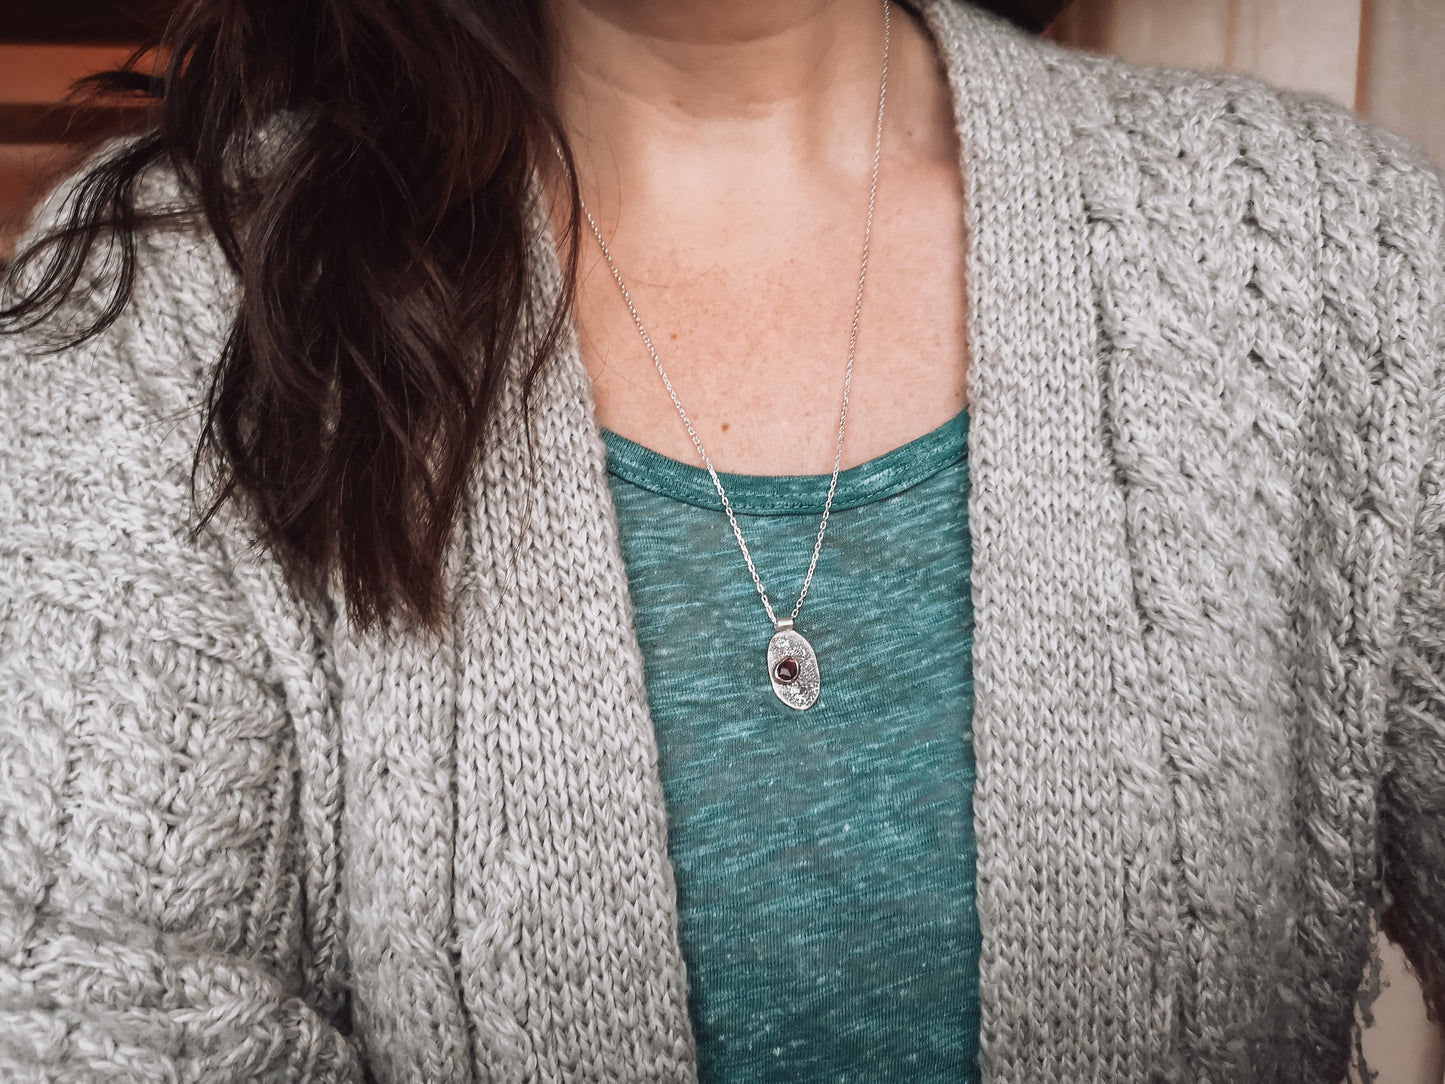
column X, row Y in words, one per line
column 98, row 440
column 135, row 389
column 1225, row 143
column 157, row 352
column 1223, row 180
column 1232, row 130
column 181, row 288
column 1279, row 258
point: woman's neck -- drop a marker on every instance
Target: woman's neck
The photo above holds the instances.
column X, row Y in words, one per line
column 726, row 150
column 708, row 94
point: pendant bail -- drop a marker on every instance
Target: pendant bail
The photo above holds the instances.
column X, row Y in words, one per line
column 782, row 624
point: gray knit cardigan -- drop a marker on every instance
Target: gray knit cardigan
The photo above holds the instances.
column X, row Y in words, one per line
column 240, row 841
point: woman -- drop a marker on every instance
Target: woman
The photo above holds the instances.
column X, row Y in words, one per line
column 495, row 759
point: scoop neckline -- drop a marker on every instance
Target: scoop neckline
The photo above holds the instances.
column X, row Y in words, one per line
column 875, row 479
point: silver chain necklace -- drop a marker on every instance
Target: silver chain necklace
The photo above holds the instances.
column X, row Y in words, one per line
column 792, row 662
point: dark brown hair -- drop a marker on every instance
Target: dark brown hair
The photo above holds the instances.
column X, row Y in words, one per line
column 380, row 249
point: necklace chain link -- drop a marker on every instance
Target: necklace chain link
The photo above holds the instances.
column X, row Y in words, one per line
column 847, row 379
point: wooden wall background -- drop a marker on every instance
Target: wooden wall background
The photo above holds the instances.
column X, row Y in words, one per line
column 1381, row 57
column 44, row 46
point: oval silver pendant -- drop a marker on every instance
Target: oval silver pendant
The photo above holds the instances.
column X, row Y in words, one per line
column 793, row 669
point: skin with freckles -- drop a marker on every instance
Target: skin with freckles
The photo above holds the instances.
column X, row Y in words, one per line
column 725, row 148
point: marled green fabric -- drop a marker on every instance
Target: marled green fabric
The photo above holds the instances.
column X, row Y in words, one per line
column 242, row 840
column 824, row 858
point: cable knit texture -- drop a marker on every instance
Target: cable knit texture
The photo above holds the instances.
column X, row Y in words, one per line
column 239, row 841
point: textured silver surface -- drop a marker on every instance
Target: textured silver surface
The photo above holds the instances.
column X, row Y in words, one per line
column 803, row 692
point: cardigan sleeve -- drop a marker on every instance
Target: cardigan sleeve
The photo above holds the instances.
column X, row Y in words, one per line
column 1384, row 252
column 1412, row 821
column 152, row 880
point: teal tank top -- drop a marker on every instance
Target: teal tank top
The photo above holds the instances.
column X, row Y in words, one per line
column 824, row 858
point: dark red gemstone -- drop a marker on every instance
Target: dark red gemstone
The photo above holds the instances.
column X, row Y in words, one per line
column 787, row 670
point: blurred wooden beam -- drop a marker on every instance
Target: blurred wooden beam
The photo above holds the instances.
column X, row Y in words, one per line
column 89, row 22
column 37, row 74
